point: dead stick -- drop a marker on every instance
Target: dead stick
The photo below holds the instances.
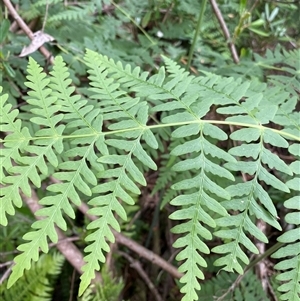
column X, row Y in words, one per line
column 225, row 30
column 138, row 267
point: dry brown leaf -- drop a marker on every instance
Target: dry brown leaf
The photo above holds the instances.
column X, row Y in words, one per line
column 39, row 38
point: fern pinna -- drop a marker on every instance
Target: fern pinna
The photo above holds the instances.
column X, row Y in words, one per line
column 37, row 284
column 100, row 147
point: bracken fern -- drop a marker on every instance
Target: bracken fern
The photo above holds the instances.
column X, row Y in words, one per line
column 101, row 149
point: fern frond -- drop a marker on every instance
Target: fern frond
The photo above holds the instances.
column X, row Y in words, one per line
column 14, row 143
column 290, row 289
column 37, row 283
column 202, row 195
column 101, row 147
column 121, row 181
column 118, row 182
column 73, row 13
column 287, row 66
column 200, row 192
column 29, row 166
column 75, row 175
column 246, row 196
column 45, row 2
column 46, row 142
column 125, row 76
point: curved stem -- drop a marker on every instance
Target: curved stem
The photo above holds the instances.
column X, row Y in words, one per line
column 225, row 30
column 192, row 49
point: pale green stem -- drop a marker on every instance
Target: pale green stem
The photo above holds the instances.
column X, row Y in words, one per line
column 192, row 49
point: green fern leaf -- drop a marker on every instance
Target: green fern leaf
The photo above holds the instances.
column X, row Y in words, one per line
column 101, row 147
column 45, row 2
column 16, row 140
column 73, row 13
column 27, row 169
column 47, row 139
column 246, row 195
column 290, row 267
column 192, row 213
column 36, row 284
column 118, row 182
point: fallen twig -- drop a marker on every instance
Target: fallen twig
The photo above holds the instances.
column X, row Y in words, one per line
column 225, row 31
column 138, row 267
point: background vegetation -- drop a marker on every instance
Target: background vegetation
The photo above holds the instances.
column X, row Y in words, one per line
column 249, row 46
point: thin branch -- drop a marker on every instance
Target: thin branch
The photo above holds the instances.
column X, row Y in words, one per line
column 72, row 286
column 261, row 267
column 6, row 274
column 253, row 6
column 225, row 31
column 46, row 16
column 26, row 29
column 75, row 238
column 167, row 13
column 138, row 267
column 5, row 264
